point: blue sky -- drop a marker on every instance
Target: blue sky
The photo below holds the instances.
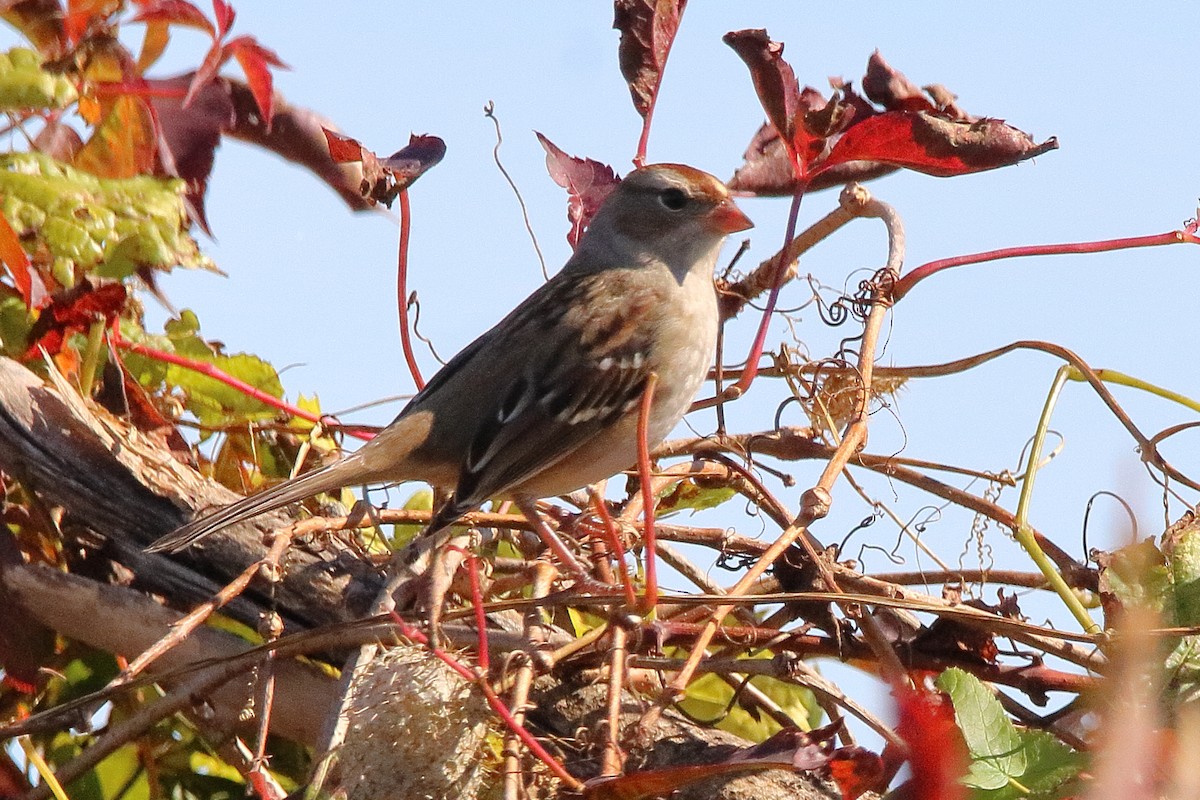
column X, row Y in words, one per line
column 312, row 285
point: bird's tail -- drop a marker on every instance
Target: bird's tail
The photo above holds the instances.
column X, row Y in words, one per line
column 320, row 480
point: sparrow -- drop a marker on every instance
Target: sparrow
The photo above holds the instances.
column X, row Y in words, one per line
column 547, row 401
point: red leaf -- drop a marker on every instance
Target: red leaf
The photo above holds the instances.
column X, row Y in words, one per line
column 74, row 311
column 415, row 159
column 587, row 183
column 175, row 12
column 213, row 59
column 648, row 29
column 82, row 14
column 937, row 753
column 891, row 89
column 848, row 139
column 792, row 747
column 188, row 137
column 774, row 81
column 256, row 62
column 856, row 770
column 766, row 171
column 124, row 144
column 298, row 135
column 14, row 257
column 343, row 149
column 935, row 145
column 224, row 14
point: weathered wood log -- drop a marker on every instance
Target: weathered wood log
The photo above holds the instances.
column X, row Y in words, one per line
column 127, row 490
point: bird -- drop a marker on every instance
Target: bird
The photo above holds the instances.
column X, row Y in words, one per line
column 547, row 401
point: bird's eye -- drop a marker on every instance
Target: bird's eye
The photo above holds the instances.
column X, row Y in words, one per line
column 673, row 199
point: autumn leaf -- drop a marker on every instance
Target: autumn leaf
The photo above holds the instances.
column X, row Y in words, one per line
column 811, row 143
column 256, row 61
column 648, row 29
column 774, row 81
column 74, row 311
column 384, row 178
column 587, row 183
column 16, row 260
column 174, row 12
column 935, row 145
column 123, row 146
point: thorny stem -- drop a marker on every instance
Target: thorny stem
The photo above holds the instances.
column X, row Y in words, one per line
column 905, row 284
column 402, row 291
column 1021, row 529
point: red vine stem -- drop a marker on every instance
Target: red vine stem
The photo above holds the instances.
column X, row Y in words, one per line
column 402, row 293
column 535, row 747
column 915, row 276
column 738, row 389
column 218, row 374
column 480, row 614
column 648, row 499
column 613, row 538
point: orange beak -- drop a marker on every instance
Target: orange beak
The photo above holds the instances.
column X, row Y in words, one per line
column 728, row 218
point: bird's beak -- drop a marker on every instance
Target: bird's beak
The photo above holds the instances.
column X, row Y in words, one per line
column 728, row 218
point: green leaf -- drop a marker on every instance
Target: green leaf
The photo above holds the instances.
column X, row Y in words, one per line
column 1138, row 576
column 992, row 740
column 15, row 322
column 1183, row 555
column 24, row 84
column 708, row 698
column 420, row 500
column 688, row 495
column 1006, row 763
column 106, row 226
column 213, row 402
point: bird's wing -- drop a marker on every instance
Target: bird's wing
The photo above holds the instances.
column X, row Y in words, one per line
column 592, row 369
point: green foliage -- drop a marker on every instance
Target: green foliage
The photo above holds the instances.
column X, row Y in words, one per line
column 24, row 84
column 1006, row 762
column 420, row 500
column 1165, row 580
column 105, row 226
column 214, row 403
column 1138, row 576
column 709, row 699
column 688, row 495
column 15, row 322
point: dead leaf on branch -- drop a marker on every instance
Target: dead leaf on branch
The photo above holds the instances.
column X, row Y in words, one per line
column 587, row 183
column 648, row 29
column 384, row 178
column 809, row 143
